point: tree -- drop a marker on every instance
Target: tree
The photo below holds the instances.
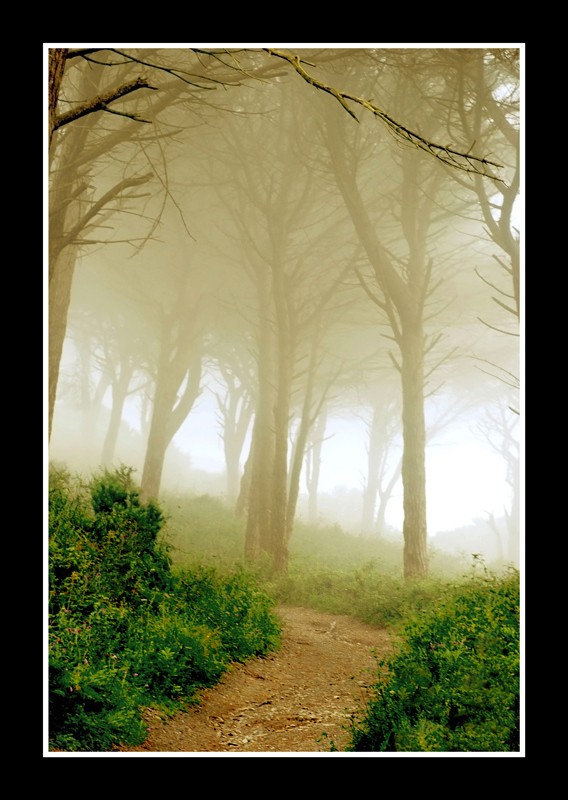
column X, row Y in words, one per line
column 499, row 429
column 180, row 319
column 74, row 210
column 56, row 67
column 485, row 109
column 281, row 221
column 236, row 407
column 405, row 285
column 312, row 461
column 108, row 81
column 383, row 428
column 282, row 231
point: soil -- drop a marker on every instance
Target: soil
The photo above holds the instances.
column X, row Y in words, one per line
column 297, row 700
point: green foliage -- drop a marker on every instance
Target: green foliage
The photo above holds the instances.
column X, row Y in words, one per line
column 235, row 607
column 454, row 685
column 147, row 607
column 125, row 629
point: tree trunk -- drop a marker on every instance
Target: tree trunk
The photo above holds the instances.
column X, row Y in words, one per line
column 385, row 495
column 158, row 441
column 404, row 292
column 307, row 420
column 237, row 415
column 314, row 466
column 119, row 394
column 59, row 301
column 169, row 410
column 514, row 518
column 67, row 192
column 241, row 505
column 57, row 60
column 279, row 528
column 376, row 443
column 498, row 545
column 259, row 499
column 413, row 458
column 92, row 413
column 258, row 527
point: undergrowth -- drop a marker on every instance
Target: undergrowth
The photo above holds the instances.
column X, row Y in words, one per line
column 454, row 685
column 148, row 604
column 126, row 629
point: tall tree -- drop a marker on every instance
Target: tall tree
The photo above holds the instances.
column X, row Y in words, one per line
column 283, row 230
column 404, row 285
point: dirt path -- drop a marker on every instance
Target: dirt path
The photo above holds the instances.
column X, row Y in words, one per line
column 297, row 700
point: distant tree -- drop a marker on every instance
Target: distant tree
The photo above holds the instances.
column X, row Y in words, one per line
column 282, row 231
column 179, row 316
column 500, row 429
column 235, row 408
column 93, row 384
column 312, row 461
column 383, row 428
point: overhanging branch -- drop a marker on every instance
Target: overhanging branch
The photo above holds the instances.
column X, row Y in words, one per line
column 452, row 158
column 100, row 103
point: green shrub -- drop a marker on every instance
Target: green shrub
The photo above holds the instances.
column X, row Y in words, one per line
column 125, row 631
column 454, row 684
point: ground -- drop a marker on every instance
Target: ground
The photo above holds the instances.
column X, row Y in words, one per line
column 299, row 699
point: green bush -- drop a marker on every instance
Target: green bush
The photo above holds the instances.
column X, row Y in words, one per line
column 236, row 608
column 454, row 684
column 125, row 630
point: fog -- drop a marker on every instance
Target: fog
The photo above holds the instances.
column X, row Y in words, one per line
column 254, row 295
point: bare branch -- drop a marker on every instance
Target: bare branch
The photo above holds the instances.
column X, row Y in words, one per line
column 395, row 362
column 492, row 285
column 511, row 380
column 176, row 73
column 493, row 328
column 94, row 210
column 503, row 305
column 101, row 103
column 452, row 158
column 440, row 362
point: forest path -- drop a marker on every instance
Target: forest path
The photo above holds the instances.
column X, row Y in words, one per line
column 299, row 699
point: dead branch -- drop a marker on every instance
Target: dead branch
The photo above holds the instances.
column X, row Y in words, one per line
column 96, row 207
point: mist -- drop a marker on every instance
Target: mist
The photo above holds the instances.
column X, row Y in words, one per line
column 316, row 318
